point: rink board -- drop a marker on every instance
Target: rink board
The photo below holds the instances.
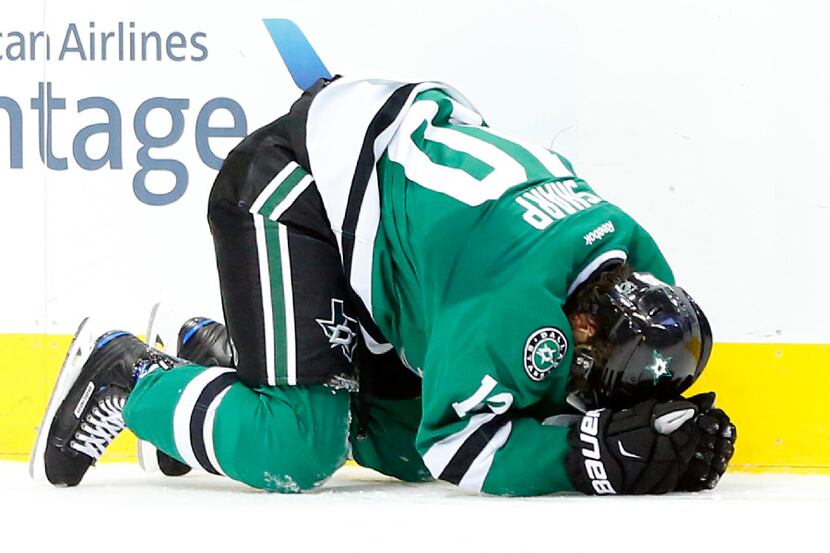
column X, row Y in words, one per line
column 780, row 420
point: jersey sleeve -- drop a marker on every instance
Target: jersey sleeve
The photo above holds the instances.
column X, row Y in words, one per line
column 645, row 256
column 496, row 366
column 608, row 236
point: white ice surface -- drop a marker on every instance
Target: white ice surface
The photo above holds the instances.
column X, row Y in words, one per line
column 119, row 508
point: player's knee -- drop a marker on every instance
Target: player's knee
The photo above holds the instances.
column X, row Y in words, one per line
column 309, row 467
column 297, row 449
column 293, row 465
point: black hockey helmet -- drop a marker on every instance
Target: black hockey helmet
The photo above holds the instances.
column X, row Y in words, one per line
column 655, row 342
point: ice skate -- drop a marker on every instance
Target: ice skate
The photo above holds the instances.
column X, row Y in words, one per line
column 84, row 413
column 205, row 342
column 202, row 341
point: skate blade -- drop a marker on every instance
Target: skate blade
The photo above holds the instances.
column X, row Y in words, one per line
column 157, row 337
column 79, row 351
column 147, row 456
column 154, row 325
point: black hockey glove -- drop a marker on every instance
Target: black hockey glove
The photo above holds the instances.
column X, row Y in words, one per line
column 641, row 450
column 715, row 447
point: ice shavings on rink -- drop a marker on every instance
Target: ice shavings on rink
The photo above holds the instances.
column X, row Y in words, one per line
column 120, row 508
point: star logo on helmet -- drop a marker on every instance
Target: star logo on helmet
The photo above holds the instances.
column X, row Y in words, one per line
column 659, row 366
column 338, row 329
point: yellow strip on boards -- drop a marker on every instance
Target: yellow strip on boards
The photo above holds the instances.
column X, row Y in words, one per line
column 29, row 366
column 777, row 396
column 775, row 393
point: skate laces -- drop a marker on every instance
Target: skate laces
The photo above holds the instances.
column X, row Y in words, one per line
column 152, row 360
column 100, row 426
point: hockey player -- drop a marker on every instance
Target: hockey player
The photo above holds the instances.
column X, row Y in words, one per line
column 511, row 332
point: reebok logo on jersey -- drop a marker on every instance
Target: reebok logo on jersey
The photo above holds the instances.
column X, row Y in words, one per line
column 599, row 233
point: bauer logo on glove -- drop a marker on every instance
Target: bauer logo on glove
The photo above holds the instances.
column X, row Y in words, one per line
column 594, row 467
column 641, row 450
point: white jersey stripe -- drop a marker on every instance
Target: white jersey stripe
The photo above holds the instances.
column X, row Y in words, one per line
column 272, row 186
column 364, row 250
column 265, row 287
column 184, row 411
column 333, row 149
column 288, row 295
column 333, row 164
column 368, row 223
column 474, row 478
column 207, row 433
column 592, row 267
column 290, row 198
column 333, row 152
column 441, row 453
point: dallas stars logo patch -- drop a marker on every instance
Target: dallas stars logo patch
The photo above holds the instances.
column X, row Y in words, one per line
column 338, row 329
column 543, row 352
column 659, row 366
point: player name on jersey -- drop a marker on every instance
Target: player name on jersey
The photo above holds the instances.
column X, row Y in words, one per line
column 549, row 202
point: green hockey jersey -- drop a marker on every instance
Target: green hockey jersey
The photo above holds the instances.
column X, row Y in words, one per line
column 461, row 246
column 481, row 240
